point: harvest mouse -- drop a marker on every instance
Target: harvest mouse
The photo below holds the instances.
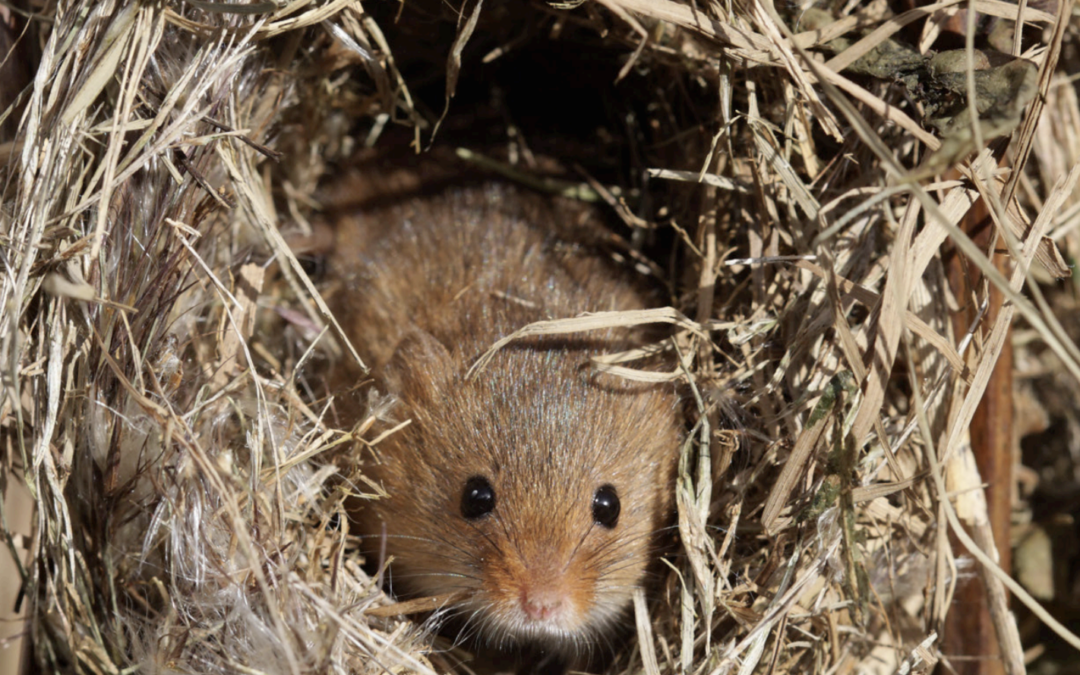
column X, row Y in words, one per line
column 534, row 490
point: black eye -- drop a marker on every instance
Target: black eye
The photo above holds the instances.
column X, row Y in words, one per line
column 478, row 498
column 605, row 506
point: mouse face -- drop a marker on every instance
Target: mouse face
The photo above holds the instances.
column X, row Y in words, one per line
column 535, row 490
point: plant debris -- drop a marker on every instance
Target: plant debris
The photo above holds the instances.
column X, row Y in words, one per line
column 801, row 188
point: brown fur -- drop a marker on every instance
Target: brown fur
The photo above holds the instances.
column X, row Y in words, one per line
column 433, row 282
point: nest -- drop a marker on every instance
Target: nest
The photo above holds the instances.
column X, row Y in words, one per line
column 801, row 181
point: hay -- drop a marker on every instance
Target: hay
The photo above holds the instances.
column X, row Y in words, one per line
column 163, row 347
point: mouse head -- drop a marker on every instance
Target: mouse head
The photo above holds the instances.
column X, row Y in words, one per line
column 536, row 490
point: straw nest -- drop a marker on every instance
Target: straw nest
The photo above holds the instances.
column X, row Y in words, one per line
column 796, row 176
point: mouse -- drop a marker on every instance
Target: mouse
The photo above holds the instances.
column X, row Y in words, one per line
column 534, row 493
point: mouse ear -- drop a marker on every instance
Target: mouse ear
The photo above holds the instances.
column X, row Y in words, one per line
column 421, row 366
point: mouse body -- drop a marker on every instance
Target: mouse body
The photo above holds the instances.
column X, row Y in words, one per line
column 535, row 490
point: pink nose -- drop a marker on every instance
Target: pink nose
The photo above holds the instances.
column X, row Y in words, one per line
column 541, row 604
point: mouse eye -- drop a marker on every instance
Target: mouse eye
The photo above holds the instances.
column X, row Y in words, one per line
column 478, row 498
column 605, row 506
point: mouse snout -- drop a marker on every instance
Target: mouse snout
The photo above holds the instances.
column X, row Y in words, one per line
column 544, row 602
column 546, row 595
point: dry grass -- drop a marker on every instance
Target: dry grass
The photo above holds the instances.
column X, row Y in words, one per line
column 158, row 336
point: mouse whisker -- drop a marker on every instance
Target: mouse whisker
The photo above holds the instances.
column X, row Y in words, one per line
column 427, row 540
column 470, row 629
column 619, row 542
column 509, row 537
column 615, row 544
column 425, row 575
column 485, row 535
column 577, row 546
column 464, row 558
column 616, row 565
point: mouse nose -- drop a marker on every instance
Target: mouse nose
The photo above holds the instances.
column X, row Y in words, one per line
column 542, row 603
